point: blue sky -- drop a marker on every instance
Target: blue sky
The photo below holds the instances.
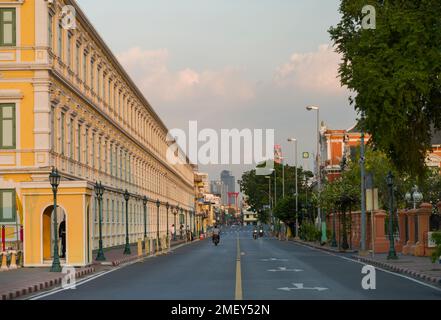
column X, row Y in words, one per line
column 230, row 63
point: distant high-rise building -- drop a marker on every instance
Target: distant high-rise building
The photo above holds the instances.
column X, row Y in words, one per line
column 217, row 187
column 229, row 181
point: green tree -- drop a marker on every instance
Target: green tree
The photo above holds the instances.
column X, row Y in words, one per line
column 255, row 187
column 286, row 209
column 394, row 72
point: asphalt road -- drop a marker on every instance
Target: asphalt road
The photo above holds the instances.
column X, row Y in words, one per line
column 241, row 267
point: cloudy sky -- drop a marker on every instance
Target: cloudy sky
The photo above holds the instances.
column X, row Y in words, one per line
column 231, row 63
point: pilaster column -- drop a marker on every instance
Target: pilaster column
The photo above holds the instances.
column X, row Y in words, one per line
column 402, row 228
column 409, row 248
column 381, row 243
column 423, row 216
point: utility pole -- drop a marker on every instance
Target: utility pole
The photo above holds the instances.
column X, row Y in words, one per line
column 363, row 189
column 283, row 178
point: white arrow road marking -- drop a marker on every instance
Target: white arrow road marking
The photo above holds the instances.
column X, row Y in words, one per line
column 284, row 269
column 274, row 259
column 300, row 286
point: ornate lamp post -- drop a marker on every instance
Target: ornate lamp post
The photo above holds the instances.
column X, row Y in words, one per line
column 345, row 203
column 127, row 246
column 99, row 190
column 54, row 179
column 415, row 197
column 158, row 204
column 392, row 255
column 175, row 212
column 194, row 222
column 182, row 212
column 334, row 240
column 144, row 202
column 167, row 206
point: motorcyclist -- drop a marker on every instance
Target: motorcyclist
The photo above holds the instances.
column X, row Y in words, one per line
column 216, row 233
column 255, row 233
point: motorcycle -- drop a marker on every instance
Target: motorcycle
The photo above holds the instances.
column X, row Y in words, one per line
column 255, row 234
column 216, row 239
column 261, row 233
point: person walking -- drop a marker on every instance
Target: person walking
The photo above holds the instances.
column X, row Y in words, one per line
column 172, row 231
column 62, row 236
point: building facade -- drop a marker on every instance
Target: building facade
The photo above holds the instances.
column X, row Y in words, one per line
column 228, row 180
column 338, row 146
column 66, row 102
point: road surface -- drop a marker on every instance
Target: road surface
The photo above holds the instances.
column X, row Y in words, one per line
column 244, row 268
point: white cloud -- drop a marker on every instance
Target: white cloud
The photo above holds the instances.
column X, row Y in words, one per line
column 150, row 71
column 312, row 72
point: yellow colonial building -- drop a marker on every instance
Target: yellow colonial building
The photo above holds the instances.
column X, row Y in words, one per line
column 66, row 102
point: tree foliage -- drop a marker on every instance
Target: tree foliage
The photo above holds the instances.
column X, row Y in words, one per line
column 256, row 188
column 394, row 72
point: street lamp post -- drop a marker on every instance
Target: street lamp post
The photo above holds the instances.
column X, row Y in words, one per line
column 54, row 179
column 392, row 255
column 334, row 240
column 167, row 206
column 127, row 246
column 182, row 213
column 158, row 204
column 322, row 221
column 144, row 202
column 99, row 190
column 297, row 190
column 186, row 223
column 345, row 203
column 269, row 199
column 175, row 213
column 194, row 222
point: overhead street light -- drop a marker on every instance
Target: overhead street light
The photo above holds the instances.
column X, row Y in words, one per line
column 319, row 178
column 297, row 191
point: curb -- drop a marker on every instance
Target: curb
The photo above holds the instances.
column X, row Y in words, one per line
column 412, row 273
column 323, row 248
column 119, row 262
column 16, row 293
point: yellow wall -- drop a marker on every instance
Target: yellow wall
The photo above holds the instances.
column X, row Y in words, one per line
column 26, row 117
column 72, row 200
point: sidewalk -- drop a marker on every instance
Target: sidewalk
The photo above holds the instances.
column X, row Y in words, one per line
column 317, row 245
column 421, row 268
column 24, row 281
column 418, row 267
column 116, row 256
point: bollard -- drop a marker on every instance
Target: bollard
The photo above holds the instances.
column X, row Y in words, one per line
column 164, row 243
column 13, row 263
column 147, row 246
column 4, row 264
column 139, row 247
column 19, row 259
column 3, row 238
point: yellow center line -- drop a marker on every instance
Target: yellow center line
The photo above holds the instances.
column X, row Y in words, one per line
column 239, row 295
